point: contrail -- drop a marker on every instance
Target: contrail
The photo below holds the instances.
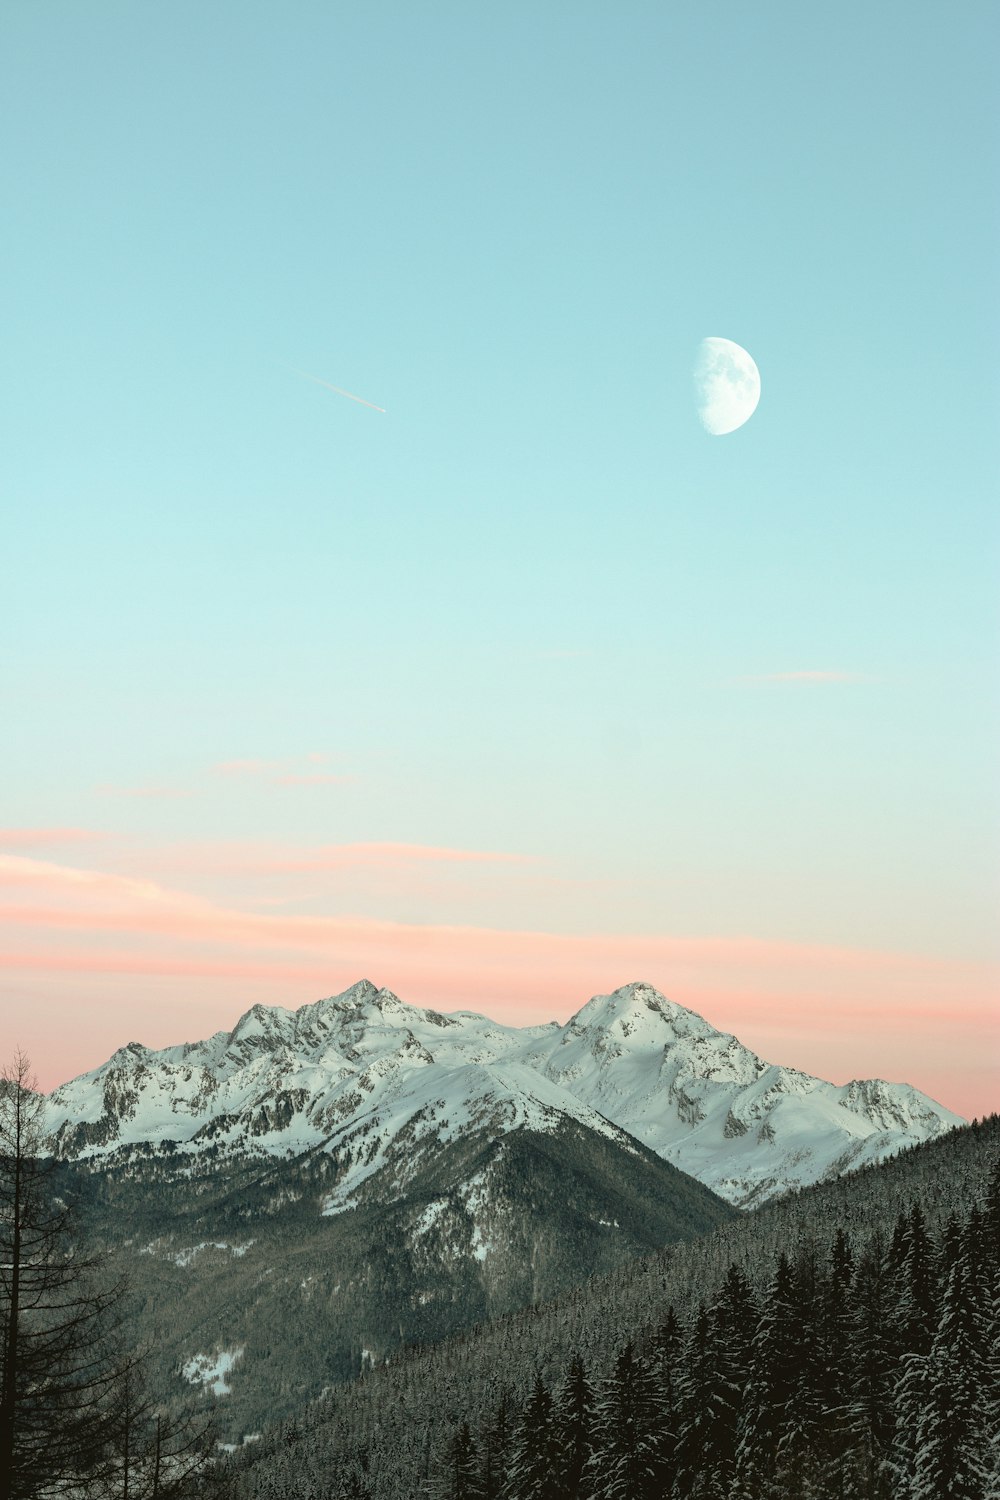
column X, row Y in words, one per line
column 336, row 388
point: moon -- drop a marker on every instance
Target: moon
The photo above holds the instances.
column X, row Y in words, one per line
column 726, row 385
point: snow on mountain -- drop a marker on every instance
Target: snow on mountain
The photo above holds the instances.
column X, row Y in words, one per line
column 378, row 1083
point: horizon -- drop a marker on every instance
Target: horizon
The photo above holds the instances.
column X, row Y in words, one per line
column 378, row 597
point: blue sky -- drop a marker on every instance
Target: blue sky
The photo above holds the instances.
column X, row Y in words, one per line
column 533, row 607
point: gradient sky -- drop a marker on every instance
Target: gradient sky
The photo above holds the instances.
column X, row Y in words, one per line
column 528, row 687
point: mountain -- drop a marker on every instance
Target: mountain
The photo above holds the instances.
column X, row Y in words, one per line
column 378, row 1085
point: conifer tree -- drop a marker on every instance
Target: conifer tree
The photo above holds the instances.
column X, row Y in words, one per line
column 534, row 1457
column 766, row 1414
column 875, row 1349
column 496, row 1446
column 735, row 1316
column 574, row 1424
column 837, row 1470
column 991, row 1224
column 463, row 1480
column 951, row 1458
column 707, row 1425
column 668, row 1371
column 917, row 1286
column 624, row 1465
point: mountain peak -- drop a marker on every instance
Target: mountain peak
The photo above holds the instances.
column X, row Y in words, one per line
column 637, row 1009
column 259, row 1023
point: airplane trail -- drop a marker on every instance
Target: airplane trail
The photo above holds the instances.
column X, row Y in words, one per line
column 337, row 389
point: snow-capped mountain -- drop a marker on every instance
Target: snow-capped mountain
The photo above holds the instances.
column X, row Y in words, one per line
column 377, row 1083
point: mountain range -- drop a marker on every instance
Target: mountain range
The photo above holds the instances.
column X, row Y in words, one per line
column 379, row 1087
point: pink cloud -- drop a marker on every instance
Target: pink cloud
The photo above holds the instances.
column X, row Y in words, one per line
column 36, row 838
column 245, row 767
column 344, row 856
column 283, row 772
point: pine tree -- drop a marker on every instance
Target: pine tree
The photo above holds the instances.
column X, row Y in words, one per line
column 496, row 1446
column 875, row 1362
column 799, row 1465
column 734, row 1316
column 991, row 1224
column 533, row 1465
column 463, row 1481
column 668, row 1372
column 624, row 1464
column 952, row 1460
column 837, row 1470
column 917, row 1286
column 574, row 1424
column 707, row 1425
column 766, row 1413
column 992, row 1388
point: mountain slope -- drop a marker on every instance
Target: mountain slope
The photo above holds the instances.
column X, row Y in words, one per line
column 374, row 1082
column 233, row 1258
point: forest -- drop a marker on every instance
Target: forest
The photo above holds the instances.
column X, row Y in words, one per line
column 864, row 1372
column 841, row 1344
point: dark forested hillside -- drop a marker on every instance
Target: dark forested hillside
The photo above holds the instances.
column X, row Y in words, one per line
column 235, row 1260
column 840, row 1344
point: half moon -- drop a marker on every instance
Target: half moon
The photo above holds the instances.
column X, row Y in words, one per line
column 726, row 385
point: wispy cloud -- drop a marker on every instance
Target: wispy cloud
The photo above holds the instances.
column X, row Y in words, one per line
column 312, row 778
column 284, row 772
column 808, row 675
column 245, row 767
column 143, row 791
column 346, row 856
column 37, row 838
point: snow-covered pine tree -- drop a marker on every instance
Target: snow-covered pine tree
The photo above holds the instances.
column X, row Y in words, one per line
column 462, row 1480
column 952, row 1460
column 838, row 1474
column 575, row 1410
column 625, row 1461
column 533, row 1461
column 766, row 1412
column 874, row 1358
column 799, row 1460
column 917, row 1285
column 667, row 1362
column 496, row 1445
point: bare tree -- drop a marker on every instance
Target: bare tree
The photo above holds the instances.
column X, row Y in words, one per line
column 153, row 1453
column 60, row 1313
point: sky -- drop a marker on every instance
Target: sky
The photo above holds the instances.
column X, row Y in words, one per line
column 526, row 686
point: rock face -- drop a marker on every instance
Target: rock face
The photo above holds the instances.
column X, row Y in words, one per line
column 378, row 1084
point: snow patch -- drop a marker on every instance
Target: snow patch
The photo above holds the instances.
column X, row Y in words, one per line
column 212, row 1370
